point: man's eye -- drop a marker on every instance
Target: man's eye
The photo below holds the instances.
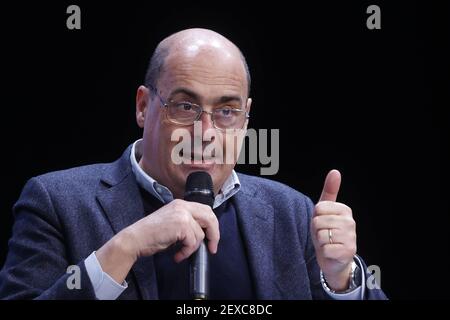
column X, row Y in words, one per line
column 184, row 106
column 227, row 112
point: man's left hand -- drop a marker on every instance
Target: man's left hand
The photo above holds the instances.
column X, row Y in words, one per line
column 333, row 232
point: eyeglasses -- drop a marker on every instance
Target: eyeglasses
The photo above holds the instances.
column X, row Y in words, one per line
column 186, row 113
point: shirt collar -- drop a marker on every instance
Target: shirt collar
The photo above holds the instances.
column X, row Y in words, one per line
column 230, row 187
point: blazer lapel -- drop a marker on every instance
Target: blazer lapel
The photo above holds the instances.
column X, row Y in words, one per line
column 256, row 219
column 123, row 206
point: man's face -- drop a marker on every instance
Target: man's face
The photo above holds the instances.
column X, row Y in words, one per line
column 211, row 79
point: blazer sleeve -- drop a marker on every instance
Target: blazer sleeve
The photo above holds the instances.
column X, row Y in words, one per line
column 36, row 266
column 317, row 291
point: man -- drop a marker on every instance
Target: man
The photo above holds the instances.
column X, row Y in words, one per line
column 127, row 230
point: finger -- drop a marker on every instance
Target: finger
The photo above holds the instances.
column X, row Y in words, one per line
column 330, row 236
column 189, row 245
column 213, row 246
column 207, row 220
column 198, row 231
column 332, row 208
column 200, row 234
column 331, row 222
column 331, row 186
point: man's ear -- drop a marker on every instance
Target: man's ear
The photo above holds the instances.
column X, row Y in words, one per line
column 142, row 103
column 247, row 109
column 249, row 105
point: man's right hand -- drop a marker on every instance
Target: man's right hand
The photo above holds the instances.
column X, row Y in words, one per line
column 177, row 222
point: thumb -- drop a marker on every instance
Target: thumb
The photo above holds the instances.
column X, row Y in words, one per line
column 331, row 186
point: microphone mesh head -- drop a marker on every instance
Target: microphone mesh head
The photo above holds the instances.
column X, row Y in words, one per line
column 199, row 180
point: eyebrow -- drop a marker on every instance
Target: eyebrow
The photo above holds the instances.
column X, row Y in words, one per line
column 225, row 99
column 196, row 97
column 185, row 91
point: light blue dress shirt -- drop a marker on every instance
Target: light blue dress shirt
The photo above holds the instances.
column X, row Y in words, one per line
column 106, row 288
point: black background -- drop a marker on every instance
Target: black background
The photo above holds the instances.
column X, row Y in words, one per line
column 363, row 101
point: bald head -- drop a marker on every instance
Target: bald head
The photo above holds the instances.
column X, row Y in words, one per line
column 201, row 68
column 189, row 44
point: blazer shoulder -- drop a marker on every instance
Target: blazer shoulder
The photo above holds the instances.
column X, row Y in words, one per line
column 270, row 191
column 83, row 175
column 77, row 183
column 87, row 177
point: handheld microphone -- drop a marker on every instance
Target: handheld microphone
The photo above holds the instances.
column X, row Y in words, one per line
column 199, row 188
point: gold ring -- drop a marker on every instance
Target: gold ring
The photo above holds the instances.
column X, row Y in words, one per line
column 330, row 236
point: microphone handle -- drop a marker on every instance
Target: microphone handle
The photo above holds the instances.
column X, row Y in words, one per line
column 199, row 273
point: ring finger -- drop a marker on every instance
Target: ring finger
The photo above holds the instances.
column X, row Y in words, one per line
column 330, row 236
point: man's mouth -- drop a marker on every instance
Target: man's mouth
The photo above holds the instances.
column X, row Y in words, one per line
column 197, row 158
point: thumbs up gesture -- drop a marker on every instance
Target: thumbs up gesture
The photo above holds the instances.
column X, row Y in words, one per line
column 333, row 233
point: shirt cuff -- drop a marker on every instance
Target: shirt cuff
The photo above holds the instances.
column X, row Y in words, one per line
column 355, row 294
column 105, row 287
column 352, row 295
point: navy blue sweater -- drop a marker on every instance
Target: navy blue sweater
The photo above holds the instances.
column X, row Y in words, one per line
column 229, row 270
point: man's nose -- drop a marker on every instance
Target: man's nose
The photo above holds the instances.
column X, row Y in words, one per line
column 207, row 121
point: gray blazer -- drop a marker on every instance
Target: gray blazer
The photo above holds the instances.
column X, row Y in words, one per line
column 62, row 217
